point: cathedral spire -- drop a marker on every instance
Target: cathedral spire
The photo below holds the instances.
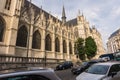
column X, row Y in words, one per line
column 63, row 15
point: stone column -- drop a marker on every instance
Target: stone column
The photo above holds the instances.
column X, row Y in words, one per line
column 30, row 35
column 43, row 43
column 53, row 44
column 68, row 51
column 12, row 20
column 61, row 47
column 73, row 48
column 11, row 34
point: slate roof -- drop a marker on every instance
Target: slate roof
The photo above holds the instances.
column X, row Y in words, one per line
column 37, row 11
column 72, row 22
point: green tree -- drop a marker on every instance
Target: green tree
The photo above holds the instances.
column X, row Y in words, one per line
column 79, row 48
column 90, row 47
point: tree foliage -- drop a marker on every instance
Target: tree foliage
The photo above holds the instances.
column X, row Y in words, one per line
column 79, row 48
column 87, row 47
column 90, row 47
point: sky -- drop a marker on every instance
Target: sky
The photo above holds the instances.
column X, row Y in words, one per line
column 104, row 14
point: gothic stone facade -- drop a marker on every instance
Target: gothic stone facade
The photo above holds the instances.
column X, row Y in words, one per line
column 26, row 30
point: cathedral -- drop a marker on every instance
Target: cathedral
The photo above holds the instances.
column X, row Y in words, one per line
column 29, row 31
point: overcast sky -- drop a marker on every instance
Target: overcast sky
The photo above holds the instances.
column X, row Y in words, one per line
column 104, row 14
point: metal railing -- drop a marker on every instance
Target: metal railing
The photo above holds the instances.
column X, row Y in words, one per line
column 8, row 62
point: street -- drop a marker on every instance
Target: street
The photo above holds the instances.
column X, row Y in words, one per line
column 65, row 74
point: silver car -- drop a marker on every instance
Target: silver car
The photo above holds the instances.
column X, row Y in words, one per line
column 101, row 71
column 30, row 74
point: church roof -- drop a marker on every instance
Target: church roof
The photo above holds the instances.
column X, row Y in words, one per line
column 37, row 11
column 72, row 22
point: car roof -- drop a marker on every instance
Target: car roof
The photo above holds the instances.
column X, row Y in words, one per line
column 49, row 73
column 27, row 72
column 25, row 69
column 110, row 63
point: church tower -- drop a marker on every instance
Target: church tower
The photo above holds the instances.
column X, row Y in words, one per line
column 63, row 15
column 9, row 18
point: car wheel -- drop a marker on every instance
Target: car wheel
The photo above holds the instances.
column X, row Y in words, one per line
column 63, row 68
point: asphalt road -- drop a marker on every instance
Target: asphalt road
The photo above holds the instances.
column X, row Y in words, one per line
column 65, row 74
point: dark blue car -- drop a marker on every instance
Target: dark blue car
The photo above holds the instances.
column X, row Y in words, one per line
column 110, row 56
column 64, row 65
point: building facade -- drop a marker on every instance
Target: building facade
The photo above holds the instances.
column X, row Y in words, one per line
column 29, row 31
column 113, row 44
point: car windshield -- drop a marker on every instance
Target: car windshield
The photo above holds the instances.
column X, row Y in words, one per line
column 98, row 69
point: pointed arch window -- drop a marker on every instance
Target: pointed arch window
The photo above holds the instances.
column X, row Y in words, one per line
column 2, row 28
column 70, row 47
column 48, row 43
column 22, row 37
column 57, row 45
column 7, row 4
column 64, row 47
column 36, row 41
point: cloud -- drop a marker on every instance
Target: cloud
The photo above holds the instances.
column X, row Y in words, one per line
column 105, row 14
column 115, row 12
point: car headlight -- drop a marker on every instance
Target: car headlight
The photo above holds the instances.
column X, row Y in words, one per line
column 103, row 78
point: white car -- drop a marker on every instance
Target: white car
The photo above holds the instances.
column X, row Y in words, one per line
column 101, row 71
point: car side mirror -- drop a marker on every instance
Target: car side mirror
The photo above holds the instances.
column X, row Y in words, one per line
column 112, row 74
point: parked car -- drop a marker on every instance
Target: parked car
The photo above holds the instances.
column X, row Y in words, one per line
column 29, row 74
column 101, row 71
column 107, row 56
column 64, row 65
column 84, row 66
